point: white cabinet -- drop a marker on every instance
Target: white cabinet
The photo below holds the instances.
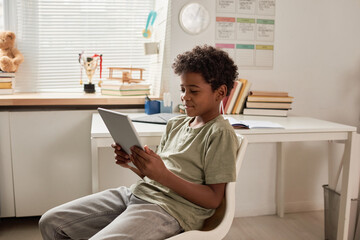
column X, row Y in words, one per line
column 7, row 207
column 51, row 159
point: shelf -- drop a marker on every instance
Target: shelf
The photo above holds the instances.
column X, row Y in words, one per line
column 67, row 99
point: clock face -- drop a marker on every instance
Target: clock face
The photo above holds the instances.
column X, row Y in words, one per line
column 194, row 18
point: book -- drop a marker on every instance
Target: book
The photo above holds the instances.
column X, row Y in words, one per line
column 121, row 86
column 113, row 92
column 251, row 124
column 233, row 96
column 269, row 99
column 6, row 74
column 239, row 108
column 7, row 79
column 6, row 91
column 237, row 101
column 125, row 88
column 275, row 105
column 117, row 88
column 269, row 94
column 265, row 112
column 5, row 85
column 243, row 99
column 122, row 89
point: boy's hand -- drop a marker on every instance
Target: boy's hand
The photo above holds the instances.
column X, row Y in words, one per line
column 149, row 163
column 121, row 157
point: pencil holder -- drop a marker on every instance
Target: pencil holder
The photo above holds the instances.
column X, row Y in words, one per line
column 165, row 109
column 152, row 107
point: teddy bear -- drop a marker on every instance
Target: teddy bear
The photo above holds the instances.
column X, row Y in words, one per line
column 10, row 57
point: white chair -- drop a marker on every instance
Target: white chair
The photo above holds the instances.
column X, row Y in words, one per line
column 218, row 225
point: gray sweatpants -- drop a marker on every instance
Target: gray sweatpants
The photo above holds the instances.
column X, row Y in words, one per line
column 111, row 214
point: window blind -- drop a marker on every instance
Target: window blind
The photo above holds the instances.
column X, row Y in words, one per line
column 51, row 34
column 1, row 15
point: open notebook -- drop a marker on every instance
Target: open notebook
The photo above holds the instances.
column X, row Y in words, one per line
column 158, row 118
column 251, row 124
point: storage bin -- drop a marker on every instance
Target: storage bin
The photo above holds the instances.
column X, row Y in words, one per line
column 331, row 211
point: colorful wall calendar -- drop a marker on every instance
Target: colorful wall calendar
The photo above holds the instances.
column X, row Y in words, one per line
column 245, row 29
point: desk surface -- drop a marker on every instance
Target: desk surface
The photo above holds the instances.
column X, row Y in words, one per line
column 291, row 124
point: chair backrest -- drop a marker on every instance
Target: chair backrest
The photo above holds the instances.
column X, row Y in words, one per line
column 227, row 207
column 218, row 225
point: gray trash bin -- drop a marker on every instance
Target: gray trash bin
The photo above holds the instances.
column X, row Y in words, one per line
column 331, row 210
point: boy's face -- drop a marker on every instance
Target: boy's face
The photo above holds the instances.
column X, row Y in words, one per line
column 198, row 97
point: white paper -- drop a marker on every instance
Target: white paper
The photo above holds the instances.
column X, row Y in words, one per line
column 266, row 7
column 229, row 48
column 245, row 57
column 247, row 23
column 225, row 6
column 252, row 124
column 225, row 28
column 264, row 57
column 231, row 52
column 246, row 29
column 246, row 6
column 265, row 30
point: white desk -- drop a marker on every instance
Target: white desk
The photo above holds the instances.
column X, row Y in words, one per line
column 295, row 129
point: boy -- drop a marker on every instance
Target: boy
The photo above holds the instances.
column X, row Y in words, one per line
column 182, row 183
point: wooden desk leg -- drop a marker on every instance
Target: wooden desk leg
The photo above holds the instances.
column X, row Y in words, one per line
column 280, row 180
column 94, row 166
column 346, row 187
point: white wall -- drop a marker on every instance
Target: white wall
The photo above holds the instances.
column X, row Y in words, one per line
column 317, row 60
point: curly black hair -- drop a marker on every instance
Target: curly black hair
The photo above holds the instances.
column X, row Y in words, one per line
column 213, row 64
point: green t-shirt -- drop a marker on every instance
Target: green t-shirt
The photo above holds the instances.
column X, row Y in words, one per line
column 204, row 155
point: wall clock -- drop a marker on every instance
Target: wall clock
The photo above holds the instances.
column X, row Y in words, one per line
column 194, row 18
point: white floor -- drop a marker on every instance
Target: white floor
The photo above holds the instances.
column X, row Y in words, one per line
column 299, row 226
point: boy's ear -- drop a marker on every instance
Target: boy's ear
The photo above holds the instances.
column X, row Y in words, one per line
column 221, row 91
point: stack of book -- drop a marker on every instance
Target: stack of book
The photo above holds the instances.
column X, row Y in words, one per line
column 266, row 103
column 7, row 82
column 117, row 88
column 234, row 103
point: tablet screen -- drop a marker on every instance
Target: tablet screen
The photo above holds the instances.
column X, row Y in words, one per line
column 121, row 129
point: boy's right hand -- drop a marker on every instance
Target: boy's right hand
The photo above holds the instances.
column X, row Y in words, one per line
column 121, row 157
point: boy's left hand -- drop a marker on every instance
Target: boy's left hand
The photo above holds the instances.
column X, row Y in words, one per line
column 149, row 163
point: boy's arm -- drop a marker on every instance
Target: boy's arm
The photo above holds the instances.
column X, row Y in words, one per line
column 207, row 196
column 151, row 165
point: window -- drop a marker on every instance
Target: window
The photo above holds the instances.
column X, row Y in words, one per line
column 51, row 34
column 1, row 15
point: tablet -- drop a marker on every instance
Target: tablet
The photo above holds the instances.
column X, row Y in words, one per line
column 121, row 130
